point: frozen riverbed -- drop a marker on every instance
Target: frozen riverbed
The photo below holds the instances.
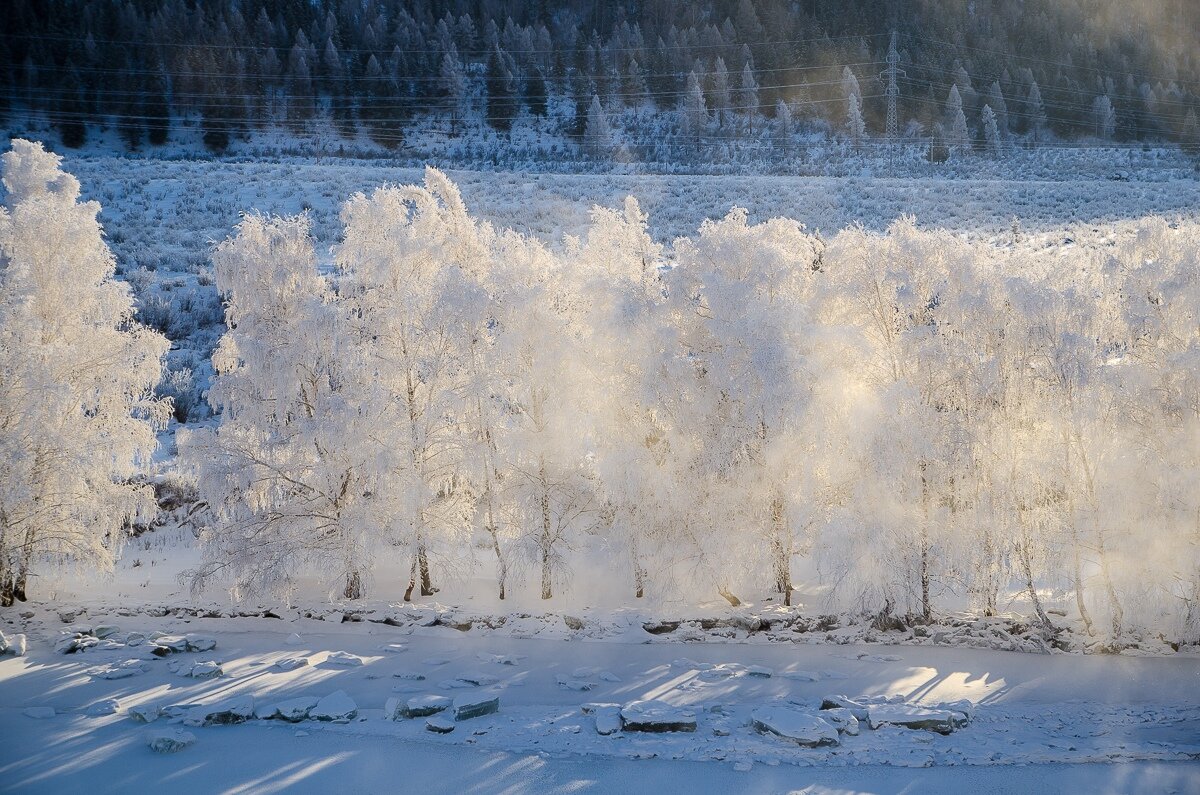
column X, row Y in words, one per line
column 1061, row 722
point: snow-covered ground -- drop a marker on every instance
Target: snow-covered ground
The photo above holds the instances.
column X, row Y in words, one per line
column 1047, row 722
column 1036, row 718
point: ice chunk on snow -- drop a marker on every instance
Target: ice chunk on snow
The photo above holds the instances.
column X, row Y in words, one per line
column 843, row 719
column 422, row 706
column 393, row 648
column 124, row 670
column 168, row 741
column 855, row 708
column 208, row 669
column 574, row 684
column 942, row 721
column 101, row 708
column 656, row 716
column 608, row 719
column 475, row 705
column 14, row 645
column 800, row 727
column 290, row 663
column 146, row 713
column 335, row 706
column 294, row 639
column 200, row 642
column 293, row 710
column 344, row 658
column 439, row 725
column 238, row 709
column 760, row 671
column 800, row 676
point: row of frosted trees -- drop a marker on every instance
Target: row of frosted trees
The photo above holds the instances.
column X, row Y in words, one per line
column 906, row 416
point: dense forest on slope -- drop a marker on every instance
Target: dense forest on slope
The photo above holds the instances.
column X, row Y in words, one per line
column 981, row 74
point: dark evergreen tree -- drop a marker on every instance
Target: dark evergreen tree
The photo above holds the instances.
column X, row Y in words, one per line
column 156, row 108
column 71, row 113
column 535, row 93
column 501, row 92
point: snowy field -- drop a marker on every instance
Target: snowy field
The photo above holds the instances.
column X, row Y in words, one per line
column 1046, row 723
column 595, row 695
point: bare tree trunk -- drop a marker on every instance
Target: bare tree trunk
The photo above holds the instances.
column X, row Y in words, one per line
column 1077, row 576
column 412, row 580
column 7, row 586
column 729, row 597
column 353, row 589
column 926, row 607
column 1118, row 614
column 639, row 572
column 547, row 538
column 1025, row 555
column 781, row 559
column 427, row 588
column 501, row 564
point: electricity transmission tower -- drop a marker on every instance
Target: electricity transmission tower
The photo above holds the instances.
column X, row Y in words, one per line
column 892, row 129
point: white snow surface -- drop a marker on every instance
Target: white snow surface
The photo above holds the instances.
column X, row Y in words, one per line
column 1067, row 716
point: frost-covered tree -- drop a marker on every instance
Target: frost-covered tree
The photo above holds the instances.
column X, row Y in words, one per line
column 856, row 128
column 1104, row 118
column 287, row 474
column 1036, row 110
column 415, row 304
column 693, row 113
column 77, row 415
column 991, row 131
column 958, row 137
column 597, row 136
column 720, row 95
column 754, row 341
column 746, row 97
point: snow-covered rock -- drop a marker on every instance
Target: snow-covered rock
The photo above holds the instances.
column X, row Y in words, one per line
column 760, row 671
column 344, row 659
column 335, row 706
column 475, row 705
column 411, row 676
column 477, row 679
column 207, row 669
column 574, row 684
column 39, row 712
column 608, row 719
column 843, row 719
column 168, row 741
column 799, row 727
column 439, row 725
column 238, row 709
column 145, row 713
column 290, row 663
column 200, row 643
column 123, row 670
column 393, row 648
column 103, row 631
column 858, row 710
column 656, row 716
column 942, row 721
column 169, row 644
column 14, row 646
column 292, row 710
column 423, row 706
column 101, row 708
